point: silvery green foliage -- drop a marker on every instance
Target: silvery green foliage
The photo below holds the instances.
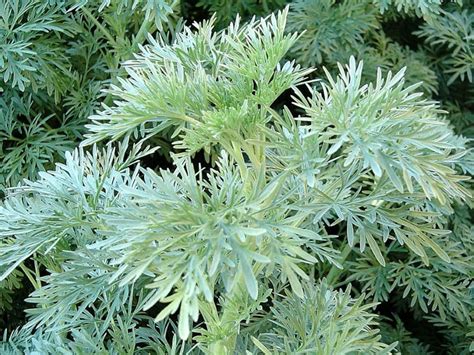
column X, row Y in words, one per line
column 225, row 10
column 128, row 332
column 157, row 11
column 231, row 252
column 329, row 28
column 63, row 208
column 452, row 36
column 406, row 343
column 321, row 322
column 361, row 122
column 460, row 334
column 388, row 55
column 420, row 8
column 235, row 73
column 30, row 28
column 333, row 31
column 28, row 145
column 7, row 290
column 441, row 287
column 33, row 32
column 55, row 58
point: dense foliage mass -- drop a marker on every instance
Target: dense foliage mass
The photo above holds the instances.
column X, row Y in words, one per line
column 274, row 178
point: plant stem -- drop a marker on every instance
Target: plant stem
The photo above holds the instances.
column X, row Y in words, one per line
column 99, row 26
column 226, row 345
column 30, row 277
column 144, row 28
column 37, row 273
column 335, row 272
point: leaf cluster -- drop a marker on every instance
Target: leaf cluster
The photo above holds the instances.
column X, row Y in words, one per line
column 322, row 197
